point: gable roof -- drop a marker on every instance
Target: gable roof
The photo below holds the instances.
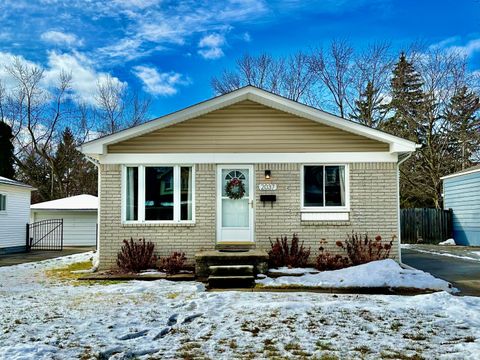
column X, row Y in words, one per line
column 6, row 181
column 79, row 202
column 397, row 144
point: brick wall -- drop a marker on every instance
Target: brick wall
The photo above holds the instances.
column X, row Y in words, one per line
column 373, row 199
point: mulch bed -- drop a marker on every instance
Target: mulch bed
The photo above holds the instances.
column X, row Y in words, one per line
column 145, row 277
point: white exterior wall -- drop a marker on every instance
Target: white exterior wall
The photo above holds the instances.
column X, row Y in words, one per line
column 79, row 227
column 13, row 221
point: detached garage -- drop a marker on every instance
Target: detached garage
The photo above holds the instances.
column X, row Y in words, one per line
column 79, row 214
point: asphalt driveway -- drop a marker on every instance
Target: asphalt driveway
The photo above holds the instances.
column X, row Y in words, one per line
column 39, row 255
column 460, row 270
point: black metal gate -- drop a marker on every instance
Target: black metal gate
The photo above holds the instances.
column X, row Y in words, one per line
column 45, row 235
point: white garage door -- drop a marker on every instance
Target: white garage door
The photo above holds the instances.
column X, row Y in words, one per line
column 79, row 228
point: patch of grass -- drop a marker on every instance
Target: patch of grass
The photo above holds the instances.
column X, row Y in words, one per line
column 395, row 326
column 469, row 339
column 400, row 356
column 324, row 345
column 172, row 295
column 417, row 337
column 328, row 357
column 292, row 346
column 362, row 349
column 65, row 273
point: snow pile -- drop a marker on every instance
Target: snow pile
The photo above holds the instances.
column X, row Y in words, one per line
column 382, row 273
column 447, row 242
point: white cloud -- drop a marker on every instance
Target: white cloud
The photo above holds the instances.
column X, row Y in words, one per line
column 159, row 83
column 453, row 44
column 211, row 46
column 246, row 37
column 468, row 49
column 61, row 38
column 85, row 77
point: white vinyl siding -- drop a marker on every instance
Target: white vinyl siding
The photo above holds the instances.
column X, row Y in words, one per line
column 14, row 219
column 79, row 227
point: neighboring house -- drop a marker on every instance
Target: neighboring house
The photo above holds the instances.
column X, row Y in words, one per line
column 79, row 214
column 461, row 193
column 14, row 215
column 318, row 175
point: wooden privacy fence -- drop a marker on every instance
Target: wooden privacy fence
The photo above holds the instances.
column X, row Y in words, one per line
column 425, row 225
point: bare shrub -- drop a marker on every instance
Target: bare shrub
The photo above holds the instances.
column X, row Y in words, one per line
column 283, row 253
column 174, row 263
column 136, row 256
column 362, row 249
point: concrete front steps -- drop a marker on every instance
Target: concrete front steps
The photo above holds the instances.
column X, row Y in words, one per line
column 228, row 269
column 231, row 276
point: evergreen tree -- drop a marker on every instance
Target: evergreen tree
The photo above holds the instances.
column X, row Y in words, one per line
column 75, row 175
column 368, row 108
column 6, row 151
column 464, row 126
column 408, row 101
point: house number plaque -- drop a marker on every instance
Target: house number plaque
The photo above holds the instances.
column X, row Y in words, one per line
column 267, row 187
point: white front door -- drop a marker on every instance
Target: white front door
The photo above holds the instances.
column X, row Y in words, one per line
column 235, row 216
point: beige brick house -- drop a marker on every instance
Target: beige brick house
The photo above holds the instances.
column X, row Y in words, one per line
column 242, row 168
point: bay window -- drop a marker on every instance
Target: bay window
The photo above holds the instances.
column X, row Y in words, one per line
column 158, row 194
column 324, row 187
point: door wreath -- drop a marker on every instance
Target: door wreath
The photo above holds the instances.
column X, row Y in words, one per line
column 235, row 189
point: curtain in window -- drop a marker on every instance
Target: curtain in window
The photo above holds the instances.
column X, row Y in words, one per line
column 186, row 193
column 132, row 194
column 341, row 171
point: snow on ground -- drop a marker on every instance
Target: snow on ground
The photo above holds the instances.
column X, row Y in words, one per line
column 444, row 251
column 44, row 318
column 382, row 273
column 448, row 242
column 293, row 271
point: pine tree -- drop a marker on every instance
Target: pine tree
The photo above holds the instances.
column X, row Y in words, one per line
column 408, row 101
column 464, row 125
column 368, row 108
column 75, row 175
column 6, row 151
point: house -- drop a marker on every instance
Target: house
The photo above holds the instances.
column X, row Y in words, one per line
column 14, row 214
column 461, row 193
column 79, row 214
column 242, row 168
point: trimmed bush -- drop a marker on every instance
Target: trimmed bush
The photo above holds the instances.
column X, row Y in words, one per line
column 174, row 263
column 283, row 253
column 136, row 256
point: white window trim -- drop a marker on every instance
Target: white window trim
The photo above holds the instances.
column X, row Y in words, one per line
column 3, row 212
column 141, row 195
column 326, row 209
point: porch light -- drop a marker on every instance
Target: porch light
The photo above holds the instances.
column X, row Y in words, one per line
column 268, row 174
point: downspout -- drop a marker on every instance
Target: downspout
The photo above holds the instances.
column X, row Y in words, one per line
column 401, row 160
column 97, row 245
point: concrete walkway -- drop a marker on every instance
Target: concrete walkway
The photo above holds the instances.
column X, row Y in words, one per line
column 463, row 273
column 38, row 255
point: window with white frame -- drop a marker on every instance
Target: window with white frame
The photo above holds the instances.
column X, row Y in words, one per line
column 324, row 187
column 3, row 202
column 158, row 193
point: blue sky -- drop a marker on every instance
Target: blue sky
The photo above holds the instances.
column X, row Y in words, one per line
column 172, row 49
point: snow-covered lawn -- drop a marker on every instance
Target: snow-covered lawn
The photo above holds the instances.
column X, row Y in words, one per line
column 383, row 273
column 45, row 318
